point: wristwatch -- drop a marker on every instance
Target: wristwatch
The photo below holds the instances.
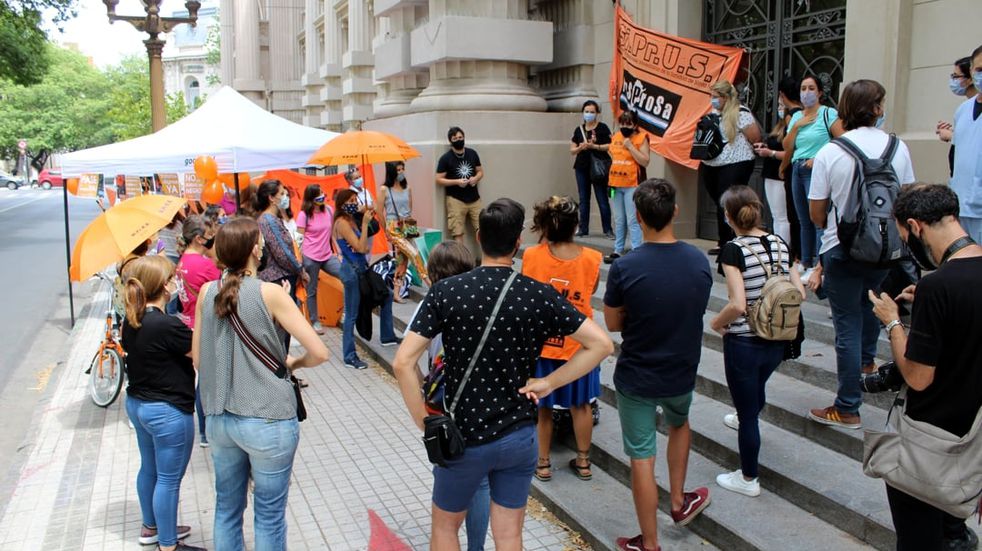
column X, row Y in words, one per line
column 890, row 327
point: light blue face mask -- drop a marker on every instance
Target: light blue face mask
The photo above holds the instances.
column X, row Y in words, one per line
column 956, row 87
column 589, row 117
column 284, row 202
column 358, row 182
column 880, row 120
column 977, row 79
column 716, row 103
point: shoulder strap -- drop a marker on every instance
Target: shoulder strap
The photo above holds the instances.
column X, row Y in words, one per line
column 851, row 148
column 480, row 344
column 825, row 117
column 891, row 149
column 770, row 268
column 257, row 349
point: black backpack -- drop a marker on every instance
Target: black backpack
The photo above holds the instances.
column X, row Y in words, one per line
column 708, row 142
column 866, row 228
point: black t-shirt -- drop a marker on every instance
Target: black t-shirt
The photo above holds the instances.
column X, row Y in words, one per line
column 600, row 135
column 664, row 290
column 772, row 165
column 458, row 167
column 945, row 329
column 459, row 307
column 157, row 364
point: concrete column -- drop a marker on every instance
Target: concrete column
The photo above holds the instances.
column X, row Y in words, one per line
column 313, row 34
column 227, row 39
column 330, row 68
column 358, row 88
column 248, row 74
column 478, row 53
column 569, row 80
column 283, row 91
column 399, row 81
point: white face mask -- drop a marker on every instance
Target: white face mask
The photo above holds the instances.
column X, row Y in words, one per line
column 284, row 202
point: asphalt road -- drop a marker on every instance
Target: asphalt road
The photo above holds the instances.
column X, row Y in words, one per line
column 33, row 273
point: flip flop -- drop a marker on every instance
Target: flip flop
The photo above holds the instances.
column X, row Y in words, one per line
column 583, row 473
column 545, row 477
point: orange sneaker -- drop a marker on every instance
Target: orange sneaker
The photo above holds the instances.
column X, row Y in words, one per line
column 834, row 418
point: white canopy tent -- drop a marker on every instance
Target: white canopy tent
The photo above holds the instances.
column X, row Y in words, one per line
column 240, row 135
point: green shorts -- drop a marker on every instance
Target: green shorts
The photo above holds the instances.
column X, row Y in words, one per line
column 638, row 420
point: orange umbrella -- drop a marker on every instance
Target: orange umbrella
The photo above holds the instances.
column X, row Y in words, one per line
column 119, row 230
column 363, row 147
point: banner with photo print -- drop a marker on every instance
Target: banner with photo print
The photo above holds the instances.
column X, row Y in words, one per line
column 666, row 80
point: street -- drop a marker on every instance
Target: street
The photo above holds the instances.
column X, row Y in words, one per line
column 35, row 322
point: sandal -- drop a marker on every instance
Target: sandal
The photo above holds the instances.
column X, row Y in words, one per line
column 581, row 472
column 547, row 466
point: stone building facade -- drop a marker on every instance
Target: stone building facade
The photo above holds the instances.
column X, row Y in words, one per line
column 514, row 73
column 186, row 69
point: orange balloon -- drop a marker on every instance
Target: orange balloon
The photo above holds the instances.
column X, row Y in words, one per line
column 226, row 178
column 212, row 193
column 206, row 168
column 244, row 180
column 72, row 185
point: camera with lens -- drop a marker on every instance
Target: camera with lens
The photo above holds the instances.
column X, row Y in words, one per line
column 886, row 379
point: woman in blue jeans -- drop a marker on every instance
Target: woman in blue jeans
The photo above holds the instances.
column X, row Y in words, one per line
column 590, row 141
column 252, row 424
column 747, row 359
column 809, row 131
column 159, row 398
column 353, row 242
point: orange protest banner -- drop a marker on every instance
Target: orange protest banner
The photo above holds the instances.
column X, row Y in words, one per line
column 88, row 185
column 666, row 80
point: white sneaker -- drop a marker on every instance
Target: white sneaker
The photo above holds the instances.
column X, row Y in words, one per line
column 735, row 482
column 806, row 276
column 731, row 420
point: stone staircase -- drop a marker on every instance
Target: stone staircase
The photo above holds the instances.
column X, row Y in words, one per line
column 814, row 495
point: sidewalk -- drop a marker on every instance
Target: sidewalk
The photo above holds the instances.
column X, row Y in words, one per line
column 358, row 451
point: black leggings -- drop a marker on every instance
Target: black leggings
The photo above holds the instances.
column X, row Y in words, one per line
column 717, row 179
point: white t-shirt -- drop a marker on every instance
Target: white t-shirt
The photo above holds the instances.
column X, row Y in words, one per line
column 739, row 149
column 364, row 197
column 833, row 169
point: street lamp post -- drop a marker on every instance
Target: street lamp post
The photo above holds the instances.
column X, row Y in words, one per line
column 153, row 24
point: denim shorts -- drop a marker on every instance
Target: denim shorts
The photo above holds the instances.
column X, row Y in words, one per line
column 507, row 462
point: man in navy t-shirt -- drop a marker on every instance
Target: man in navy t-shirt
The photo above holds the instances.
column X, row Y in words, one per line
column 656, row 297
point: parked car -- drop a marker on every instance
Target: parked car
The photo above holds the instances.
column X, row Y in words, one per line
column 50, row 177
column 8, row 181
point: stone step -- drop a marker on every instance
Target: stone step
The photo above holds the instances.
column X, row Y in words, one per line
column 602, row 509
column 731, row 522
column 815, row 478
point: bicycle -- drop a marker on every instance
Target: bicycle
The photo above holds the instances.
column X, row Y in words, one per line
column 107, row 370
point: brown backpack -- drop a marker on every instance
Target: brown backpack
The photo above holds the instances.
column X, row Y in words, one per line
column 774, row 315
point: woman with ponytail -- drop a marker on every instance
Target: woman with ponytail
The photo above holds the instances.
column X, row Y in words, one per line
column 159, row 397
column 574, row 271
column 252, row 424
column 748, row 360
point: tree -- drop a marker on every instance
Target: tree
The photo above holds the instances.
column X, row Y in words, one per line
column 23, row 51
column 129, row 113
column 213, row 52
column 65, row 111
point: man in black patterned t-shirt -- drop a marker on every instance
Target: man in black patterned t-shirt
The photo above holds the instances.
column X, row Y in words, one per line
column 496, row 413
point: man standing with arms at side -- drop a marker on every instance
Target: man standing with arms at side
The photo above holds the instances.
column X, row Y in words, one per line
column 656, row 297
column 966, row 178
column 941, row 358
column 496, row 414
column 459, row 171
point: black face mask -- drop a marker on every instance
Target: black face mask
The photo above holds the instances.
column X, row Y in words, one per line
column 627, row 132
column 209, row 243
column 919, row 252
column 458, row 144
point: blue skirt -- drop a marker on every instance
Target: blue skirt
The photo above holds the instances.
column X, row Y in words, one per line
column 578, row 393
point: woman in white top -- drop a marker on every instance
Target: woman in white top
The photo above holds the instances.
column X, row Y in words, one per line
column 736, row 162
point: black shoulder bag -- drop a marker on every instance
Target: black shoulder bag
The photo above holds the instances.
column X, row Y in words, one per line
column 599, row 164
column 269, row 360
column 441, row 436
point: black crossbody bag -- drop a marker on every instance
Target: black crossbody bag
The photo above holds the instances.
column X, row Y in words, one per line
column 269, row 360
column 441, row 436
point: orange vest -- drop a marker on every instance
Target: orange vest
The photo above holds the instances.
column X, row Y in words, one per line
column 624, row 169
column 575, row 279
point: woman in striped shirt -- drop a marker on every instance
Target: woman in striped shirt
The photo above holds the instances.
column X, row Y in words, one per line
column 748, row 359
